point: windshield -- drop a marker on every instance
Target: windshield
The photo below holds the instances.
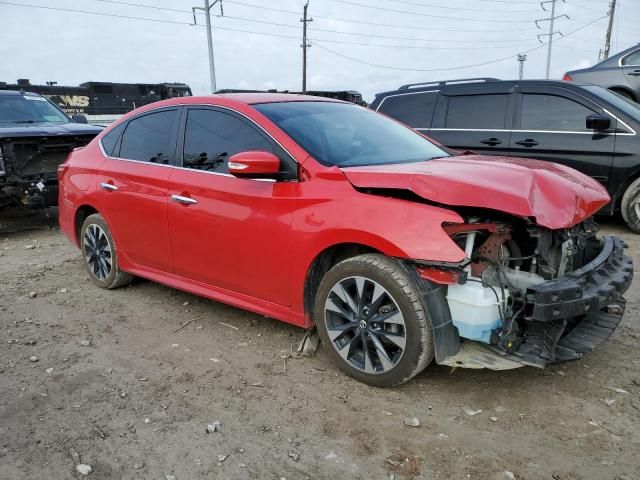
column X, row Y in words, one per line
column 624, row 104
column 347, row 135
column 29, row 109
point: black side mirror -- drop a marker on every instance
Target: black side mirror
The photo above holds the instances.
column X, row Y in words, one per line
column 79, row 118
column 598, row 122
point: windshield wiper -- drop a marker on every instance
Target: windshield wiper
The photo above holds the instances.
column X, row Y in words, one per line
column 18, row 121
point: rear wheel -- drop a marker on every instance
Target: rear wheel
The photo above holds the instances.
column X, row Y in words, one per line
column 370, row 317
column 630, row 206
column 100, row 255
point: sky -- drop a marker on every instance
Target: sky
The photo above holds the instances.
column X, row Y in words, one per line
column 365, row 45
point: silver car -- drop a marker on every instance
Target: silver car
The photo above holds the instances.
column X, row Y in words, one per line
column 620, row 73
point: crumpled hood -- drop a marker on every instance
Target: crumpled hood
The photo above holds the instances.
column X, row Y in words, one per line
column 14, row 130
column 555, row 195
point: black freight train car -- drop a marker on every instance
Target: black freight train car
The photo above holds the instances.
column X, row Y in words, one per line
column 102, row 98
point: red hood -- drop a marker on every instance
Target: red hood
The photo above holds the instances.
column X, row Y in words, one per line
column 555, row 195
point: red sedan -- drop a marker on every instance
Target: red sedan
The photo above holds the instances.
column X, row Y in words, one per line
column 319, row 212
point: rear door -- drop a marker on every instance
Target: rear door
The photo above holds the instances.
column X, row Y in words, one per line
column 133, row 184
column 474, row 118
column 551, row 125
column 631, row 69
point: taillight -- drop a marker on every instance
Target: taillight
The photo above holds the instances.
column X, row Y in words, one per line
column 3, row 170
column 567, row 78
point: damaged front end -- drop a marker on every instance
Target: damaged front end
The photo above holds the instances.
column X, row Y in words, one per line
column 527, row 294
column 28, row 168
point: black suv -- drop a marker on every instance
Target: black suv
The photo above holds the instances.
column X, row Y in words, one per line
column 35, row 137
column 583, row 126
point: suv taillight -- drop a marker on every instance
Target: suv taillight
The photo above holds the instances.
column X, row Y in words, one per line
column 3, row 170
column 567, row 78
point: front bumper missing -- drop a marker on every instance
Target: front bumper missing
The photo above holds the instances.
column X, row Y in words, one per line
column 565, row 318
column 570, row 316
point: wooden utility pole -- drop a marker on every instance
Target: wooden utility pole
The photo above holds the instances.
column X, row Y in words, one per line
column 304, row 46
column 607, row 42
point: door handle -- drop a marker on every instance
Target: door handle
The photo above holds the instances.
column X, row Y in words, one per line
column 109, row 187
column 635, row 73
column 183, row 200
column 529, row 142
column 491, row 141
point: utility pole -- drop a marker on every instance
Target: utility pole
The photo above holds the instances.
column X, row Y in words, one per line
column 521, row 59
column 607, row 43
column 552, row 32
column 207, row 11
column 304, row 46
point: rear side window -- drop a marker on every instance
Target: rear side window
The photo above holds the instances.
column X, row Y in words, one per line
column 149, row 138
column 550, row 112
column 413, row 109
column 110, row 140
column 477, row 111
column 632, row 59
column 211, row 137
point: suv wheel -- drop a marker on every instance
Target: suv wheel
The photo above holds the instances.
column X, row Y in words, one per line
column 370, row 316
column 100, row 255
column 630, row 206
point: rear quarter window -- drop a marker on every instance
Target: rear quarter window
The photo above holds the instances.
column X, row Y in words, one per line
column 412, row 109
column 110, row 140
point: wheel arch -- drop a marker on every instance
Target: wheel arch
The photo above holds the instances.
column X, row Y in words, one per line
column 623, row 188
column 323, row 262
column 624, row 90
column 82, row 212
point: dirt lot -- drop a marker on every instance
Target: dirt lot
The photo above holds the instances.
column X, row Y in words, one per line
column 118, row 385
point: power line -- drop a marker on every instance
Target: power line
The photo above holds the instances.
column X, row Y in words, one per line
column 390, row 37
column 466, row 9
column 498, row 60
column 377, row 24
column 405, row 12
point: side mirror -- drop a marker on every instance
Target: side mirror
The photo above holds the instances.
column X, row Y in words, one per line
column 598, row 122
column 254, row 164
column 78, row 118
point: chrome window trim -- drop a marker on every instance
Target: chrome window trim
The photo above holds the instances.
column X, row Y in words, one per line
column 104, row 154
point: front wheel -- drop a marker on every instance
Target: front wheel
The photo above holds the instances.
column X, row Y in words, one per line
column 630, row 206
column 370, row 316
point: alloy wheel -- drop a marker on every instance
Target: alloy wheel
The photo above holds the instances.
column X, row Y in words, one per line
column 97, row 251
column 365, row 325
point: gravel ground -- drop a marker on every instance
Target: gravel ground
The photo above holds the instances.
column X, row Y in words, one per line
column 113, row 380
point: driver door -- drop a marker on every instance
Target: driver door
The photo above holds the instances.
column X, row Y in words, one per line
column 227, row 232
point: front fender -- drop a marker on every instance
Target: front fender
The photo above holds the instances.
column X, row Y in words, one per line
column 398, row 228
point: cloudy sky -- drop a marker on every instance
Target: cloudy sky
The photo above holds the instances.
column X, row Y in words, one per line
column 365, row 45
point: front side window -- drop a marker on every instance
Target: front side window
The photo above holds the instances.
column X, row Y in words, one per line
column 413, row 109
column 632, row 60
column 27, row 109
column 477, row 111
column 551, row 112
column 211, row 137
column 150, row 138
column 348, row 135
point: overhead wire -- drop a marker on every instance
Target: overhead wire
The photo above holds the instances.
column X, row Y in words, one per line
column 481, row 64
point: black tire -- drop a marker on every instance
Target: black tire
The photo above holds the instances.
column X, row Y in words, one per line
column 404, row 298
column 630, row 206
column 102, row 266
